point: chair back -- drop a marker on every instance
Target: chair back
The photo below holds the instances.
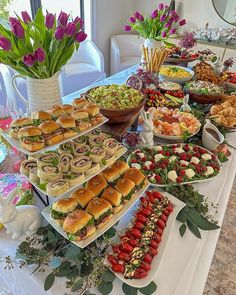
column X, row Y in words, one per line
column 128, row 44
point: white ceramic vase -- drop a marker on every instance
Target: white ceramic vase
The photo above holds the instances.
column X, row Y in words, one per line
column 42, row 93
column 151, row 43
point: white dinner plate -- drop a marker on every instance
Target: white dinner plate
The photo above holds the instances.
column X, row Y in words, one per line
column 16, row 143
column 171, row 137
column 158, row 259
column 115, row 217
column 71, row 189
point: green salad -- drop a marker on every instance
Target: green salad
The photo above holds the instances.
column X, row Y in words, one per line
column 203, row 87
column 115, row 97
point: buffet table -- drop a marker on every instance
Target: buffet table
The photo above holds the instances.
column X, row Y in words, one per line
column 186, row 262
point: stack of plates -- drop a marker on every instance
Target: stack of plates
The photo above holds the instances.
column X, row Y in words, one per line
column 3, row 157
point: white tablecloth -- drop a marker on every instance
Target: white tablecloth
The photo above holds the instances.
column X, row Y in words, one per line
column 186, row 262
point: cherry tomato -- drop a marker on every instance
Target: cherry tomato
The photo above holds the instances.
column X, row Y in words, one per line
column 158, row 238
column 147, row 258
column 163, row 218
column 118, row 268
column 153, row 251
column 149, row 207
column 115, row 249
column 143, row 200
column 126, row 247
column 152, row 199
column 136, row 233
column 124, row 256
column 160, row 223
column 112, row 259
column 134, row 243
column 154, row 244
column 140, row 273
column 159, row 231
column 149, row 194
column 139, row 225
column 166, row 212
column 145, row 266
column 146, row 212
column 157, row 195
column 170, row 207
column 128, row 234
column 141, row 218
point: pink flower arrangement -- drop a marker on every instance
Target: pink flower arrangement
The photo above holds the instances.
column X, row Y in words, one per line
column 55, row 40
column 188, row 40
column 159, row 25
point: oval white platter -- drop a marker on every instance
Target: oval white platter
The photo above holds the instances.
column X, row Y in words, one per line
column 172, row 137
column 159, row 258
column 116, row 217
column 71, row 189
column 16, row 143
column 185, row 182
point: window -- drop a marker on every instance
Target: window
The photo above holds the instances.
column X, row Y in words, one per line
column 71, row 6
column 9, row 7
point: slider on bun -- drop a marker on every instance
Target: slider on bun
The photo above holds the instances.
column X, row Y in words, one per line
column 79, row 225
column 56, row 111
column 52, row 132
column 114, row 197
column 111, row 174
column 92, row 109
column 67, row 108
column 83, row 196
column 79, row 103
column 80, row 115
column 121, row 166
column 40, row 116
column 101, row 210
column 31, row 138
column 68, row 123
column 136, row 176
column 126, row 187
column 60, row 209
column 97, row 184
column 17, row 124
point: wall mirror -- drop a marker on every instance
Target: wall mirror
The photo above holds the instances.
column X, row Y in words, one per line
column 226, row 9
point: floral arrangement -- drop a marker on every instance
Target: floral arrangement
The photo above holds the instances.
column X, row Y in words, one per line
column 39, row 48
column 228, row 63
column 162, row 23
column 188, row 40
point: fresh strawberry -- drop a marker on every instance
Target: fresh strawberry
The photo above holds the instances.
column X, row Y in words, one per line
column 179, row 179
column 134, row 161
column 167, row 153
column 183, row 157
column 152, row 166
column 158, row 178
column 186, row 147
column 182, row 172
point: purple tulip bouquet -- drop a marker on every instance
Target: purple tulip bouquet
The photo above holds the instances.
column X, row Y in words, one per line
column 162, row 23
column 39, row 48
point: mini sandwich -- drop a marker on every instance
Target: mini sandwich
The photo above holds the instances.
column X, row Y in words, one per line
column 83, row 196
column 136, row 176
column 79, row 225
column 40, row 116
column 67, row 108
column 28, row 165
column 97, row 184
column 82, row 119
column 121, row 166
column 92, row 109
column 114, row 197
column 57, row 187
column 31, row 138
column 101, row 210
column 17, row 124
column 79, row 103
column 69, row 126
column 52, row 132
column 111, row 174
column 49, row 172
column 60, row 209
column 56, row 111
column 74, row 178
column 127, row 188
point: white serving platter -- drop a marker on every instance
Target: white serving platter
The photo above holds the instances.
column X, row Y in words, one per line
column 116, row 217
column 171, row 137
column 158, row 259
column 71, row 189
column 16, row 143
column 185, row 182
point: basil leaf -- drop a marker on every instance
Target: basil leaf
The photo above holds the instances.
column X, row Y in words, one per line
column 194, row 229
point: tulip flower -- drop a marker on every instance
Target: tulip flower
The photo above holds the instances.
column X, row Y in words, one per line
column 28, row 60
column 80, row 37
column 168, row 25
column 5, row 44
column 39, row 55
column 137, row 14
column 154, row 14
column 162, row 18
column 127, row 28
column 78, row 20
column 13, row 20
column 172, row 31
column 59, row 34
column 132, row 19
column 172, row 12
column 163, row 34
column 18, row 30
column 70, row 29
column 182, row 22
column 25, row 16
column 176, row 18
column 49, row 20
column 141, row 18
column 161, row 6
column 62, row 19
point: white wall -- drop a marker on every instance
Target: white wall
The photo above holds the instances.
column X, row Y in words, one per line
column 109, row 18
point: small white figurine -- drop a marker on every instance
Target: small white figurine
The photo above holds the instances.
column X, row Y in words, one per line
column 21, row 221
column 147, row 131
column 185, row 106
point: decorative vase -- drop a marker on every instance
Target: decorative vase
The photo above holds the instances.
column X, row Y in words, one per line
column 151, row 43
column 42, row 93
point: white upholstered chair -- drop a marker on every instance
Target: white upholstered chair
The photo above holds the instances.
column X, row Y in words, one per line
column 126, row 51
